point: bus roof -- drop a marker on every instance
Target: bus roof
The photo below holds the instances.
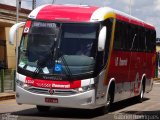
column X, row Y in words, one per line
column 82, row 13
column 76, row 13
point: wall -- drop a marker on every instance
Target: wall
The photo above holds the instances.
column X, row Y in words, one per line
column 11, row 49
column 2, row 45
column 158, row 48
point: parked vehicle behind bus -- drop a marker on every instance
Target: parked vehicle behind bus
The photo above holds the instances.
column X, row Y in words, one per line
column 80, row 56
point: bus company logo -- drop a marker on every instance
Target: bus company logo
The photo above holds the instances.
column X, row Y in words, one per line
column 121, row 62
column 51, row 91
column 26, row 30
column 60, row 86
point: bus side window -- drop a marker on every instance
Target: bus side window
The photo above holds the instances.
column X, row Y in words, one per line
column 153, row 40
column 150, row 40
column 127, row 42
column 124, row 36
column 135, row 38
column 117, row 40
column 108, row 23
column 130, row 37
column 121, row 36
column 142, row 39
column 146, row 38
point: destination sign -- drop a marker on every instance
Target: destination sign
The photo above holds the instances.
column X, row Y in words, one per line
column 43, row 24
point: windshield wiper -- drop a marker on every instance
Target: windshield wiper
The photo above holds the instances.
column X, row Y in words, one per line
column 41, row 62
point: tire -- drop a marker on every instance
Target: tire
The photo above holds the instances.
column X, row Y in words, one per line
column 106, row 108
column 140, row 97
column 43, row 108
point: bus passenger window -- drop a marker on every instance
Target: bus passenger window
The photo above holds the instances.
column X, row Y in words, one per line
column 150, row 40
column 141, row 39
column 117, row 40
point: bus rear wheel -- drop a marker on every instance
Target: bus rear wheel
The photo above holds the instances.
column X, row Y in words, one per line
column 43, row 108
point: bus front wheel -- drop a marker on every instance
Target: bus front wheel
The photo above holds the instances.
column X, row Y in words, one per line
column 105, row 109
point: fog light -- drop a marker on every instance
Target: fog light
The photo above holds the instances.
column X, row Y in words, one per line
column 26, row 86
column 89, row 100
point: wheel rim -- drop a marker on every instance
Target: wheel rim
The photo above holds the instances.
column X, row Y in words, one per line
column 142, row 92
column 108, row 100
column 108, row 104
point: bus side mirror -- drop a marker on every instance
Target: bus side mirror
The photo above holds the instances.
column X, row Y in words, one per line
column 102, row 39
column 12, row 31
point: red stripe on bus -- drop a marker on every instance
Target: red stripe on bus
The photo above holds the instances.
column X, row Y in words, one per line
column 28, row 24
column 53, row 84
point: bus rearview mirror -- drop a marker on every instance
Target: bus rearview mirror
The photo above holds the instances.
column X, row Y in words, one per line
column 102, row 39
column 12, row 31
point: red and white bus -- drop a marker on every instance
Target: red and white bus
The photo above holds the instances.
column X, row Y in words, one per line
column 80, row 56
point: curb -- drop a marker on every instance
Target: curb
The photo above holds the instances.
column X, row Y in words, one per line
column 7, row 96
column 156, row 79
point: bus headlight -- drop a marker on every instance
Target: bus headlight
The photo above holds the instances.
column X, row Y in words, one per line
column 19, row 83
column 86, row 88
column 22, row 84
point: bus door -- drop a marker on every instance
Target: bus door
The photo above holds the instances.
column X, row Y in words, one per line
column 102, row 60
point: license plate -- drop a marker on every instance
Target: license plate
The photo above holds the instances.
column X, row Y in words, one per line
column 51, row 100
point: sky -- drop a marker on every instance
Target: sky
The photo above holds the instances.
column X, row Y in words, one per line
column 146, row 10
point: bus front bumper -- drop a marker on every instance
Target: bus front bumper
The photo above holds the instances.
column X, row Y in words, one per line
column 85, row 100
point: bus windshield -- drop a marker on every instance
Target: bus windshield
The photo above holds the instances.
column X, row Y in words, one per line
column 59, row 48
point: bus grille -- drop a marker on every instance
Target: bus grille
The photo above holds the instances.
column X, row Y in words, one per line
column 56, row 91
